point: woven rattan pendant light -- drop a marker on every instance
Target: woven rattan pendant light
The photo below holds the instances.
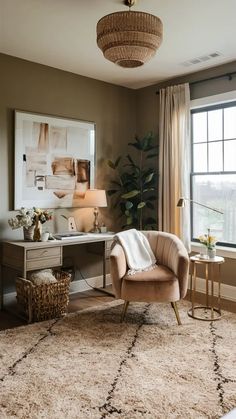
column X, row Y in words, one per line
column 129, row 38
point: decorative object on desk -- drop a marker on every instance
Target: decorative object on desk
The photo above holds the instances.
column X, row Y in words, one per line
column 129, row 38
column 28, row 233
column 134, row 188
column 45, row 236
column 210, row 242
column 103, row 228
column 95, row 198
column 31, row 219
column 54, row 160
column 71, row 223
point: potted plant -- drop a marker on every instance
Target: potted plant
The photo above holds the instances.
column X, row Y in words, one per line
column 134, row 186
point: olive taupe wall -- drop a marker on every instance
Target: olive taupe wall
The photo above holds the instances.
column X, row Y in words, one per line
column 147, row 103
column 119, row 114
column 32, row 87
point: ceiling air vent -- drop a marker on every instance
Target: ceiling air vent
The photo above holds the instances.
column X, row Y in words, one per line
column 201, row 59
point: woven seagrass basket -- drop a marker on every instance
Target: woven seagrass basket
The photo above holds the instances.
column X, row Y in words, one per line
column 46, row 301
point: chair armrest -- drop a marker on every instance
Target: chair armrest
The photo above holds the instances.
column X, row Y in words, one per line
column 178, row 262
column 118, row 268
column 171, row 252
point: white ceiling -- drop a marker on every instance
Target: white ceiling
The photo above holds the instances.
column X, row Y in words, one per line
column 62, row 34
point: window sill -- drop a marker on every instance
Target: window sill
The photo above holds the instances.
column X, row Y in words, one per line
column 227, row 252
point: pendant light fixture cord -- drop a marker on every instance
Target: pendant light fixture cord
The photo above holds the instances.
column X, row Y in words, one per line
column 129, row 3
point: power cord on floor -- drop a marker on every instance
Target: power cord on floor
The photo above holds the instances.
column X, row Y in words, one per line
column 72, row 271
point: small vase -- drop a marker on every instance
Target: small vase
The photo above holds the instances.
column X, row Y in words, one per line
column 28, row 233
column 37, row 231
column 211, row 253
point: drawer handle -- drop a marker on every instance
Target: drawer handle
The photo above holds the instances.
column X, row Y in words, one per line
column 45, row 252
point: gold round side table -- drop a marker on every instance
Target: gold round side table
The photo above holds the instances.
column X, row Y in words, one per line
column 211, row 266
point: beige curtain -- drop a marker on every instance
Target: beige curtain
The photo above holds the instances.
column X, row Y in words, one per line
column 174, row 161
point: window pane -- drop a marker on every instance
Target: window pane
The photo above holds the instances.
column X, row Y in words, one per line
column 217, row 191
column 199, row 127
column 215, row 157
column 230, row 155
column 200, row 157
column 215, row 125
column 230, row 122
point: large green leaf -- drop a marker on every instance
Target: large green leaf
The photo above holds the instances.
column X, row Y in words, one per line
column 149, row 189
column 149, row 178
column 130, row 194
column 129, row 220
column 117, row 161
column 111, row 164
column 128, row 205
column 132, row 163
column 141, row 205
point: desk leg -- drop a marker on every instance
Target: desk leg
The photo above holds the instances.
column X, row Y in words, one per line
column 1, row 288
column 194, row 286
column 104, row 266
column 207, row 291
column 219, row 290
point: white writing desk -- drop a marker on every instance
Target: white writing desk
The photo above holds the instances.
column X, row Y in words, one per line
column 25, row 256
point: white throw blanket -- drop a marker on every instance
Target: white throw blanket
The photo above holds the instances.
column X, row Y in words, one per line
column 139, row 254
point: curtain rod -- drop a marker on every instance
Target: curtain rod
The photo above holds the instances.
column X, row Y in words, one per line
column 229, row 75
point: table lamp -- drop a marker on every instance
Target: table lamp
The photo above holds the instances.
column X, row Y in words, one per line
column 95, row 198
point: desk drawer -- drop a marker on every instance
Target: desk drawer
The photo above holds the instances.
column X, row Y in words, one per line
column 49, row 252
column 33, row 264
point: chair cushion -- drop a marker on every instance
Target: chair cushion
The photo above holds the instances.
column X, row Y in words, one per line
column 160, row 284
column 160, row 273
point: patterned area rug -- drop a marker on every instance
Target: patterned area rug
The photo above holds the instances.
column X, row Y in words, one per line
column 88, row 365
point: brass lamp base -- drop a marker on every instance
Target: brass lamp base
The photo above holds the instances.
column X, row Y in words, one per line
column 95, row 228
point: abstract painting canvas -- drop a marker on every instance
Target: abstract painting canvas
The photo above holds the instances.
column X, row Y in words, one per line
column 54, row 160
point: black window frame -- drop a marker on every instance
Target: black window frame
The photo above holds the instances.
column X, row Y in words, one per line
column 208, row 108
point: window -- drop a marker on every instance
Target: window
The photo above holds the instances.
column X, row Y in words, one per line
column 213, row 171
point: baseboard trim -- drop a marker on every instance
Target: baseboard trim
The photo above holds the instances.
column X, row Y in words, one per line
column 75, row 286
column 228, row 292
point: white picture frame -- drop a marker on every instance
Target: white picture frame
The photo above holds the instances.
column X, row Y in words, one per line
column 54, row 160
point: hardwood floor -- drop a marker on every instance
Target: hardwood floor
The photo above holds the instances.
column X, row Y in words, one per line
column 78, row 301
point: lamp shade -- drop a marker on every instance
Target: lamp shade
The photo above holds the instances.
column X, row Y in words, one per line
column 95, row 198
column 129, row 38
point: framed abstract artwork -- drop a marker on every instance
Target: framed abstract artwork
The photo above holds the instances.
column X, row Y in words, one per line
column 54, row 160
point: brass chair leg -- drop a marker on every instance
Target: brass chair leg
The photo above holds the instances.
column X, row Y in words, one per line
column 175, row 308
column 125, row 306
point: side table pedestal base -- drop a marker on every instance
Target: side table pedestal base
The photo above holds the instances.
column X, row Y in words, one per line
column 208, row 314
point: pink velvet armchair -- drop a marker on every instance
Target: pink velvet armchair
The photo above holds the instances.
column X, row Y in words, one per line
column 166, row 283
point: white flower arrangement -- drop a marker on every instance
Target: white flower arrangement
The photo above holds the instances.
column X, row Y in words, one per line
column 208, row 240
column 27, row 217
